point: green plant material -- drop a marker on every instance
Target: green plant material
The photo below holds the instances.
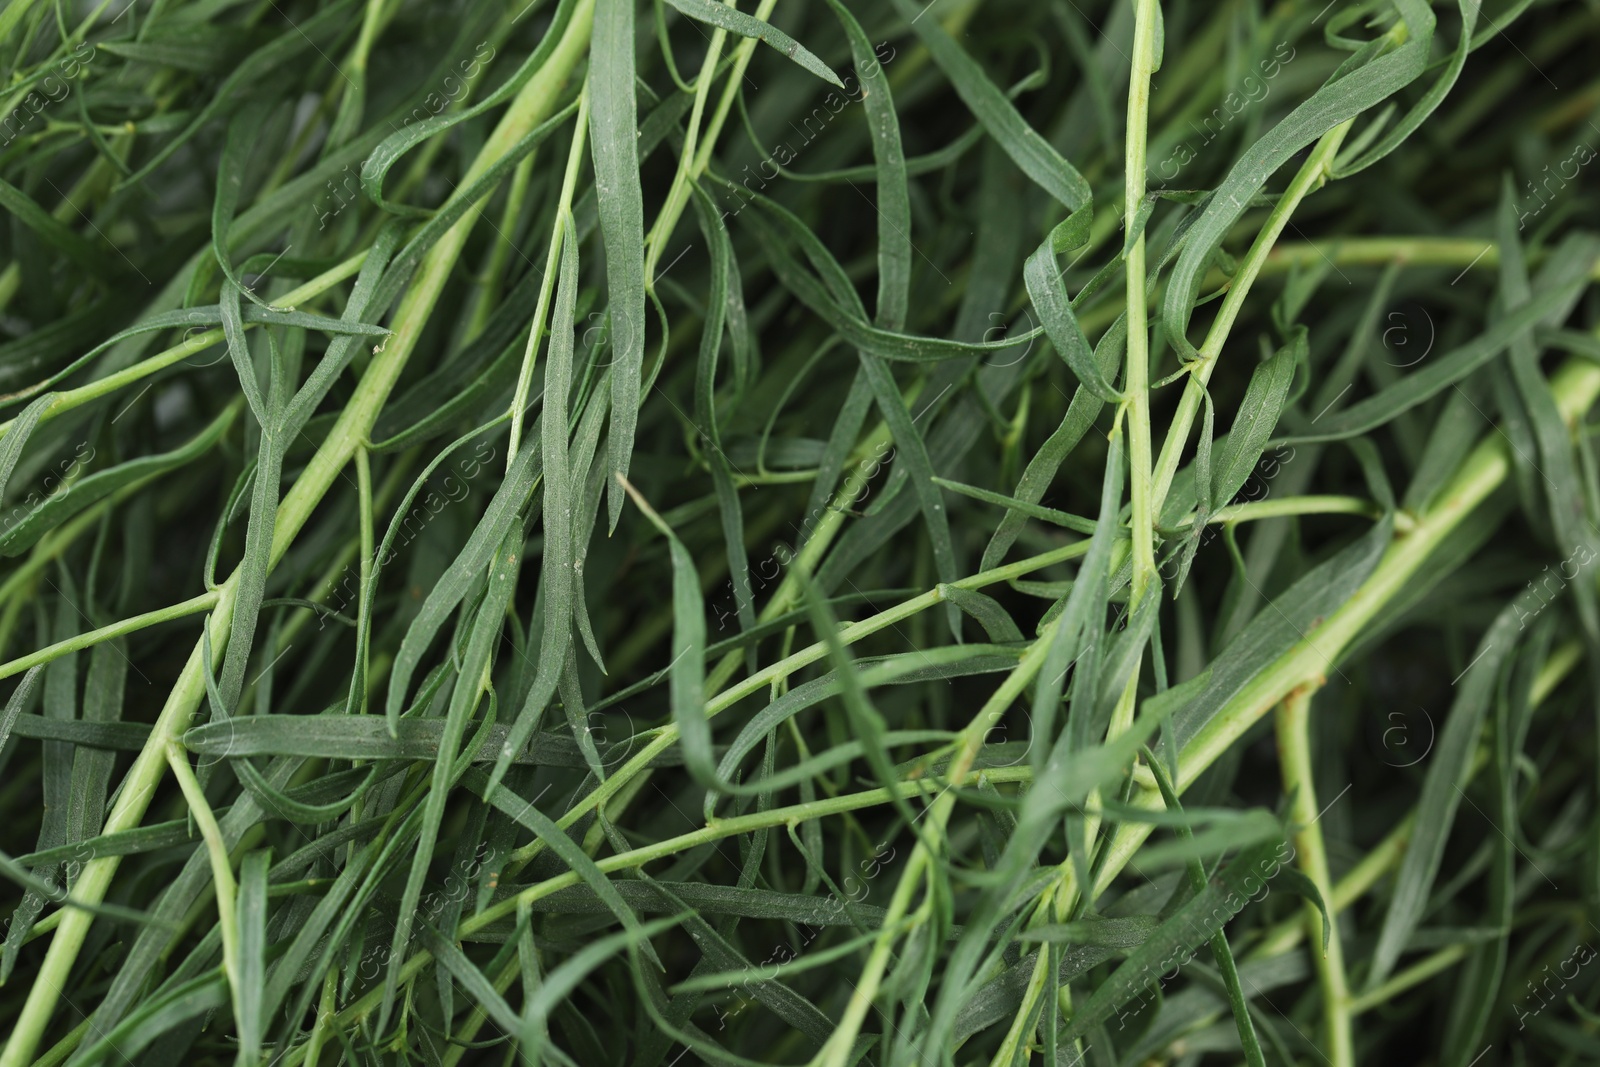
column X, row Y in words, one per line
column 744, row 531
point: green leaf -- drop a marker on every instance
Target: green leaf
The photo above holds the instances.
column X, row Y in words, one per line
column 1174, row 943
column 999, row 118
column 613, row 137
column 1441, row 793
column 1049, row 296
column 733, row 20
column 252, row 920
column 1254, row 423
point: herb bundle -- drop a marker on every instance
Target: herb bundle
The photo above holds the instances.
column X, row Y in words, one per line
column 854, row 532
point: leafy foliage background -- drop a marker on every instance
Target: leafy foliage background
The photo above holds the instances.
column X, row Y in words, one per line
column 601, row 532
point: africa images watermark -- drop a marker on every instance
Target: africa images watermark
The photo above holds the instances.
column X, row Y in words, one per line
column 1578, row 158
column 1231, row 904
column 837, row 902
column 1530, row 603
column 55, row 484
column 783, row 555
column 35, row 102
column 328, row 206
column 1577, row 958
column 424, row 511
column 821, row 117
column 1254, row 89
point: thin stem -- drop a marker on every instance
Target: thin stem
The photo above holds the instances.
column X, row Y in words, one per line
column 134, row 623
column 221, row 866
column 1137, row 382
column 1310, row 177
column 1466, row 252
column 68, row 399
column 1575, row 386
column 1387, row 853
column 1411, row 976
column 1136, row 385
column 730, row 89
column 1290, row 505
column 697, row 148
column 552, row 260
column 678, row 194
column 836, row 1052
column 325, row 1015
column 1294, row 756
column 368, row 553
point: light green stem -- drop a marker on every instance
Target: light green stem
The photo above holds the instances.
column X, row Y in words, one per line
column 697, row 148
column 132, row 624
column 678, row 193
column 1386, row 855
column 1473, row 253
column 368, row 560
column 68, row 399
column 1137, row 382
column 1297, row 505
column 558, row 235
column 1294, row 757
column 1411, row 976
column 836, row 1053
column 1575, row 386
column 221, row 866
column 1312, row 174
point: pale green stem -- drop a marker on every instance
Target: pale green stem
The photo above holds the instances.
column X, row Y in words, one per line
column 1575, row 386
column 836, row 1053
column 1136, row 389
column 678, row 193
column 1386, row 855
column 132, row 624
column 1137, row 383
column 1294, row 758
column 221, row 866
column 1293, row 505
column 1312, row 174
column 558, row 235
column 730, row 90
column 1411, row 976
column 692, row 163
column 1464, row 252
column 68, row 399
column 325, row 1015
column 368, row 553
column 371, row 22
